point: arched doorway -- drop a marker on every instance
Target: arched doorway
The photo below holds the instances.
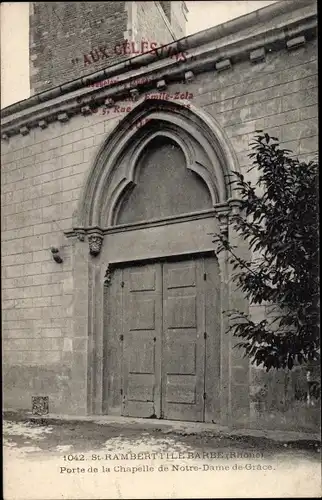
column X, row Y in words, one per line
column 157, row 357
column 156, row 289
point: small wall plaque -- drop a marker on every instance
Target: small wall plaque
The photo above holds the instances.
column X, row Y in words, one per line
column 40, row 405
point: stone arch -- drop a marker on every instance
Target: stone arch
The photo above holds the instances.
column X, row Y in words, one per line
column 204, row 143
column 208, row 154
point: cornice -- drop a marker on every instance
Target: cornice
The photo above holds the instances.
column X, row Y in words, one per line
column 134, row 226
column 218, row 54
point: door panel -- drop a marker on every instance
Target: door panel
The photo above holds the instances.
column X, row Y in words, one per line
column 165, row 363
column 183, row 341
column 113, row 355
column 142, row 311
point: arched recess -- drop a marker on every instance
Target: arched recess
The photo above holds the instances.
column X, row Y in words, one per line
column 206, row 148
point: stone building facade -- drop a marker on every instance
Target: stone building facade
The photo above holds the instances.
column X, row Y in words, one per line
column 113, row 295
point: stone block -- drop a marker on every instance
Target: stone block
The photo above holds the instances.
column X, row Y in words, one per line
column 42, row 279
column 22, row 303
column 300, row 99
column 73, row 182
column 14, row 270
column 74, row 136
column 33, row 243
column 41, row 229
column 83, row 144
column 72, row 159
column 33, row 268
column 51, row 187
column 309, row 145
column 41, row 302
column 299, row 130
column 50, row 290
column 31, row 292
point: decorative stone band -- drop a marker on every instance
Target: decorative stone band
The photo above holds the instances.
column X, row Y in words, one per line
column 95, row 235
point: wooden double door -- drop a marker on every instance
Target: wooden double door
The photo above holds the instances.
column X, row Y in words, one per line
column 159, row 325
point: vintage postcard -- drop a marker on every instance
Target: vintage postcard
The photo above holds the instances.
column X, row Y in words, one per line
column 160, row 324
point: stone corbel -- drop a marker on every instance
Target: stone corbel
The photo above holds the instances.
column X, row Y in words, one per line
column 95, row 240
column 235, row 206
column 223, row 218
column 86, row 110
column 223, row 224
column 161, row 85
column 134, row 93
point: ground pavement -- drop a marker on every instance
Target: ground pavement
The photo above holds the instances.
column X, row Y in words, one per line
column 66, row 459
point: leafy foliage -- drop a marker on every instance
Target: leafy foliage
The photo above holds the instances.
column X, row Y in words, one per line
column 279, row 221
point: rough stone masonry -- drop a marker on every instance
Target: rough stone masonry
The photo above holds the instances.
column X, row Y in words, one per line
column 68, row 174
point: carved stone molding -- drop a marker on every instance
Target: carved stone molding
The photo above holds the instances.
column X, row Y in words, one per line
column 95, row 241
column 94, row 234
column 108, row 276
column 95, row 244
column 222, row 214
column 223, row 223
column 80, row 233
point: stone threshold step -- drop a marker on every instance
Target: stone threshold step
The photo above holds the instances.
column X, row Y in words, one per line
column 179, row 427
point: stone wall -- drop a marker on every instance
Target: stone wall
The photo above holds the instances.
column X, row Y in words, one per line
column 40, row 189
column 61, row 33
column 71, row 39
column 152, row 24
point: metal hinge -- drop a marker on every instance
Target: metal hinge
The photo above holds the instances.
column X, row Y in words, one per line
column 205, row 276
column 205, row 335
column 204, row 395
column 121, row 337
column 122, row 284
column 121, row 391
